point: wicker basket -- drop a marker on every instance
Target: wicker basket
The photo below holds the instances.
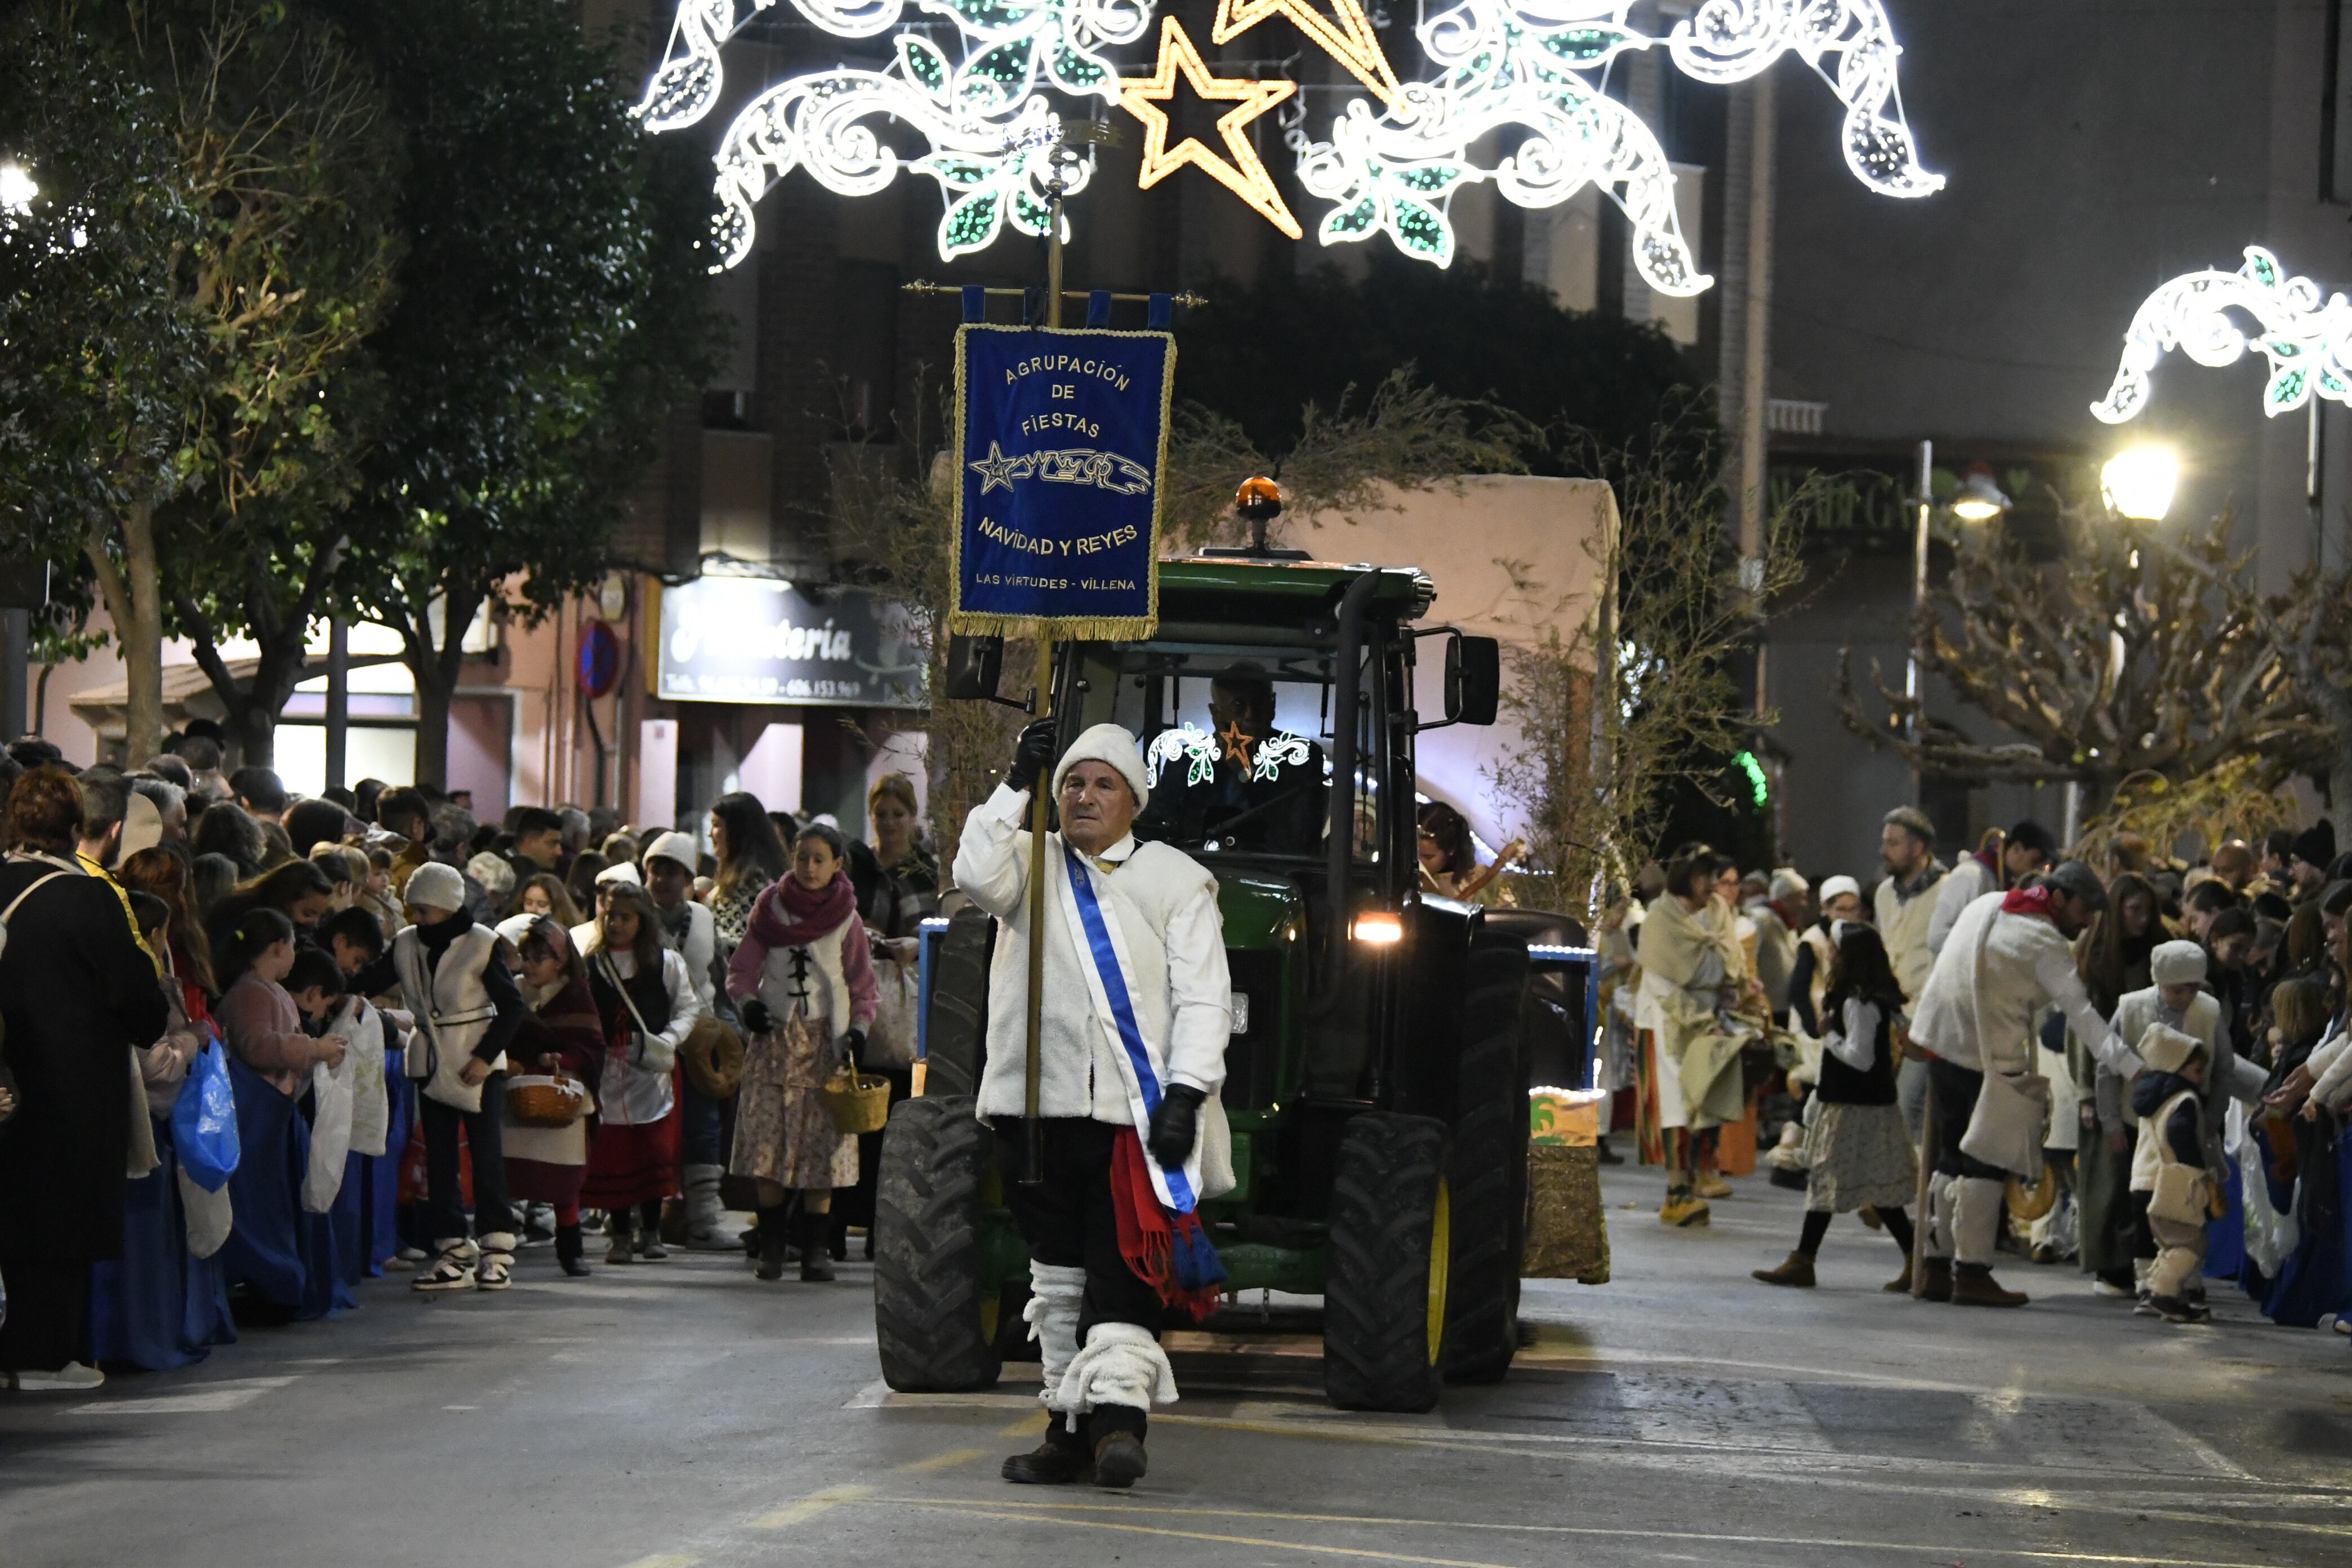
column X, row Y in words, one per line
column 857, row 1102
column 557, row 1101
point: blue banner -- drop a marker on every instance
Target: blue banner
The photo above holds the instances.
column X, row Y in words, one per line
column 1062, row 440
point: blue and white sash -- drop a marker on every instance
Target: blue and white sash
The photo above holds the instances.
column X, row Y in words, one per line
column 1102, row 959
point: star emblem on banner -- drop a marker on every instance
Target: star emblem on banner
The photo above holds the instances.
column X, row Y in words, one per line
column 996, row 468
column 1243, row 173
column 1346, row 35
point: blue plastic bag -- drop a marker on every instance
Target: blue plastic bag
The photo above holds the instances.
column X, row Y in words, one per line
column 203, row 1120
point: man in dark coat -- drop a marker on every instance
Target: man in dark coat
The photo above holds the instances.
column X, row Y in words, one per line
column 76, row 993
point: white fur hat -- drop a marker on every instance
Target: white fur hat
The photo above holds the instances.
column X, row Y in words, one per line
column 434, row 886
column 1787, row 882
column 620, row 872
column 1108, row 744
column 675, row 846
column 1840, row 884
column 2177, row 963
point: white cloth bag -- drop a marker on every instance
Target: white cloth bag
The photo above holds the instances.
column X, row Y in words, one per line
column 331, row 1133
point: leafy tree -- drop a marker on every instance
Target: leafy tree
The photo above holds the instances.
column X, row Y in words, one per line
column 553, row 304
column 99, row 359
column 282, row 141
column 1260, row 356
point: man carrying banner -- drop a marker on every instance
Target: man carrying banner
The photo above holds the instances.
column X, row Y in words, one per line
column 1136, row 1013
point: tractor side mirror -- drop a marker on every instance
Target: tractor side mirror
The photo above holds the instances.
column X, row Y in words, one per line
column 974, row 665
column 1474, row 679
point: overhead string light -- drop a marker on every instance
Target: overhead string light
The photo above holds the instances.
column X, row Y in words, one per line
column 991, row 134
column 2305, row 336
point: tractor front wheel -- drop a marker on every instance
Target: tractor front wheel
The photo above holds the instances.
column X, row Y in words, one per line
column 932, row 1318
column 1488, row 1172
column 1384, row 1285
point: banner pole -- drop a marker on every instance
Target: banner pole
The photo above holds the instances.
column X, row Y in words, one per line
column 1033, row 1146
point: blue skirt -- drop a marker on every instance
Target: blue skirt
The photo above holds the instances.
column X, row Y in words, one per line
column 155, row 1305
column 285, row 1255
column 2318, row 1278
column 367, row 1230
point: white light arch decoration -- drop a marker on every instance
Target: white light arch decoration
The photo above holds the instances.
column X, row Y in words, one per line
column 986, row 117
column 2305, row 336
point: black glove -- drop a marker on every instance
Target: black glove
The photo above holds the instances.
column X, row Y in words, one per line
column 756, row 1017
column 1032, row 753
column 853, row 1047
column 1176, row 1125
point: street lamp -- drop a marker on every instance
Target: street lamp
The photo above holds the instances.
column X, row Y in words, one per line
column 1979, row 500
column 16, row 189
column 2139, row 482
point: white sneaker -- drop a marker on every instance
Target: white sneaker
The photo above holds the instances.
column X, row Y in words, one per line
column 71, row 1378
column 453, row 1270
column 2103, row 1288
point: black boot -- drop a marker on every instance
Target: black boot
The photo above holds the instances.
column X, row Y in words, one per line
column 617, row 1225
column 569, row 1251
column 816, row 1261
column 773, row 1227
column 1118, row 1434
column 1063, row 1456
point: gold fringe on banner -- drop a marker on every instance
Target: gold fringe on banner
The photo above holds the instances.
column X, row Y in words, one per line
column 1089, row 628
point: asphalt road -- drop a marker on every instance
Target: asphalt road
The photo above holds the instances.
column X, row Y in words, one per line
column 683, row 1414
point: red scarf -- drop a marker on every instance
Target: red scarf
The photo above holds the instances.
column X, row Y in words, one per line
column 2034, row 901
column 1148, row 1237
column 790, row 915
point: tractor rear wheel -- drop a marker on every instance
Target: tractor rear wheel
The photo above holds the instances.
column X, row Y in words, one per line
column 932, row 1322
column 1385, row 1282
column 1488, row 1170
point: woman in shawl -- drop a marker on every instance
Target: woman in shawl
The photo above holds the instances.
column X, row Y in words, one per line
column 803, row 977
column 563, row 1033
column 2113, row 958
column 646, row 1006
column 1691, row 966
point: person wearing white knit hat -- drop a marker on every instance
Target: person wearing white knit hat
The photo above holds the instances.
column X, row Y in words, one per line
column 1808, row 977
column 1127, row 1083
column 688, row 931
column 468, row 1008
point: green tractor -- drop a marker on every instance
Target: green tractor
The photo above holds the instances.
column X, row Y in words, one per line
column 1383, row 1041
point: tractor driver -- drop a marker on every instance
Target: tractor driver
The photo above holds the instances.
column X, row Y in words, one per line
column 1265, row 791
column 1133, row 1022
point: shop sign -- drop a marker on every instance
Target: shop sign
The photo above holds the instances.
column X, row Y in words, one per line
column 752, row 639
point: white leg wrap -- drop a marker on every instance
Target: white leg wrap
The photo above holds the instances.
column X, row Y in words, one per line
column 1939, row 1215
column 498, row 1241
column 1055, row 1294
column 1122, row 1365
column 1975, row 1208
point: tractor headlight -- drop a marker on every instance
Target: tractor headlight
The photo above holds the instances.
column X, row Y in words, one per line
column 1379, row 929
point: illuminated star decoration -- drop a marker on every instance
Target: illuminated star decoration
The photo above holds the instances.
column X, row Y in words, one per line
column 1244, row 175
column 1346, row 35
column 1237, row 743
column 2308, row 340
column 996, row 468
column 1516, row 99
